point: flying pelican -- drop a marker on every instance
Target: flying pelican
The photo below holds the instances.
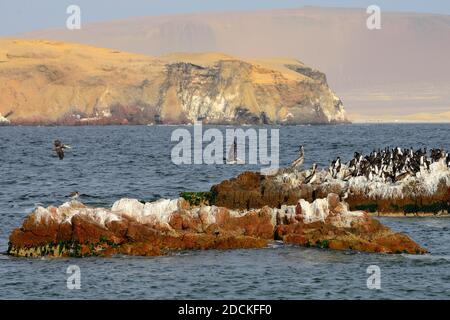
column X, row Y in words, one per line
column 59, row 147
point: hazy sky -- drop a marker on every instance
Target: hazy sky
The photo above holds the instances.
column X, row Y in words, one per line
column 18, row 16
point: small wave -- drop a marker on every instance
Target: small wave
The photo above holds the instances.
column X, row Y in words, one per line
column 85, row 195
column 427, row 257
column 276, row 245
column 4, row 256
column 435, row 224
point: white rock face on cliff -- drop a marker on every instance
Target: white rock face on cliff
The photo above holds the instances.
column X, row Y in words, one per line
column 3, row 120
column 54, row 82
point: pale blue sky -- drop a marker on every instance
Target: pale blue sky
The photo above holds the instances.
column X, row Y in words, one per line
column 18, row 16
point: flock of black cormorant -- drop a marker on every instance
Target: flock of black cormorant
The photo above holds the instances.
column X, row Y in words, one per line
column 388, row 164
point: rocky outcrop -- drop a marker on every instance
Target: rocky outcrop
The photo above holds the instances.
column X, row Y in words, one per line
column 255, row 190
column 47, row 82
column 429, row 192
column 134, row 228
column 328, row 223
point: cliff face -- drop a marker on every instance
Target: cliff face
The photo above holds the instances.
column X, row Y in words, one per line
column 43, row 82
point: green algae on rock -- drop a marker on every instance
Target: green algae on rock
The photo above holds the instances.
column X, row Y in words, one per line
column 157, row 228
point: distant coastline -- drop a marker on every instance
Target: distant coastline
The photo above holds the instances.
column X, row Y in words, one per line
column 56, row 83
column 118, row 123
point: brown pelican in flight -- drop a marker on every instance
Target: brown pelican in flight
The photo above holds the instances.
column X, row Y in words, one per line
column 59, row 147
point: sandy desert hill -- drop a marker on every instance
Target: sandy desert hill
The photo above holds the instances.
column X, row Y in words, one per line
column 44, row 82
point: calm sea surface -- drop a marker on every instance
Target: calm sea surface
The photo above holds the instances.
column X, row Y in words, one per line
column 108, row 163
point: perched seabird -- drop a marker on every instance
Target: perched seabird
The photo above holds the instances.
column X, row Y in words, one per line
column 347, row 176
column 331, row 167
column 402, row 176
column 345, row 196
column 424, row 162
column 437, row 154
column 74, row 195
column 232, row 153
column 388, row 165
column 384, row 176
column 336, row 167
column 300, row 159
column 312, row 176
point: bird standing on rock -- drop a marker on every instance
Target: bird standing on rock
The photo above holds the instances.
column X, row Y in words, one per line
column 312, row 176
column 382, row 165
column 393, row 165
column 300, row 159
column 74, row 195
column 335, row 167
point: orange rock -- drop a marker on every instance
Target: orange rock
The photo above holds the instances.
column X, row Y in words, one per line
column 104, row 233
column 87, row 231
column 253, row 190
column 176, row 221
column 369, row 235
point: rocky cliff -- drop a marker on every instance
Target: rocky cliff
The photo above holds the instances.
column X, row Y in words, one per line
column 46, row 82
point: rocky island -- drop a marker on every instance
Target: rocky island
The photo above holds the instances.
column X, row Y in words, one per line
column 425, row 190
column 48, row 82
column 318, row 208
column 155, row 228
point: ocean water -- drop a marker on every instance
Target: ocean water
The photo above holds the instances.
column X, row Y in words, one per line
column 108, row 163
